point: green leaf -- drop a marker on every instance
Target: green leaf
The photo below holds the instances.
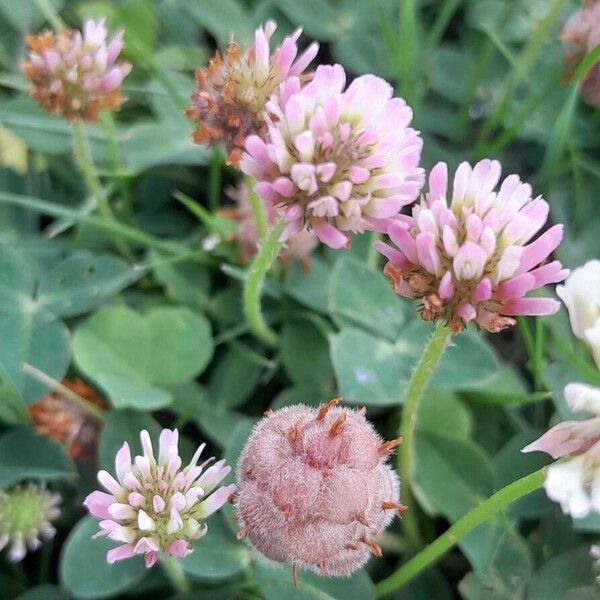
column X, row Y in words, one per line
column 186, row 282
column 234, row 377
column 222, row 19
column 375, row 372
column 305, row 355
column 568, row 576
column 127, row 391
column 33, row 338
column 142, row 152
column 25, row 455
column 192, row 401
column 26, row 16
column 318, row 18
column 218, row 556
column 123, row 426
column 440, row 459
column 512, row 23
column 127, row 353
column 138, row 20
column 362, row 52
column 359, row 296
column 17, row 279
column 507, row 575
column 443, row 413
column 451, row 72
column 114, row 340
column 368, row 370
column 44, row 592
column 185, row 343
column 309, row 287
column 467, row 360
column 275, row 583
column 46, row 133
column 300, row 394
column 82, row 282
column 84, row 570
column 510, row 464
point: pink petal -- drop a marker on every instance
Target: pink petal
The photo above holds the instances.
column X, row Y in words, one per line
column 446, row 287
column 146, row 444
column 516, row 286
column 150, row 559
column 330, row 236
column 123, row 461
column 401, row 237
column 290, row 230
column 394, row 256
column 427, row 253
column 568, row 437
column 216, row 500
column 466, row 311
column 482, row 291
column 551, row 273
column 530, row 306
column 120, row 553
column 469, row 262
column 97, row 504
column 284, row 187
column 358, row 175
column 108, row 482
column 438, row 182
column 178, row 548
column 305, row 59
column 539, row 249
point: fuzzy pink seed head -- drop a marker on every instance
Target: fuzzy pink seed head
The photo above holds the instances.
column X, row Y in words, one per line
column 315, row 488
column 334, row 160
column 469, row 255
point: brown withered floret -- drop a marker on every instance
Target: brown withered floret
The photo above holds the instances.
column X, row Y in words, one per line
column 60, row 419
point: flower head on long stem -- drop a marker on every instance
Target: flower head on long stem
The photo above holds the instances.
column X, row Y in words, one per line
column 470, row 257
column 76, row 74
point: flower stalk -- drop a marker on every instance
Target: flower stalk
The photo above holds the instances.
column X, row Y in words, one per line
column 253, row 285
column 85, row 162
column 416, row 387
column 481, row 513
column 176, row 574
column 258, row 211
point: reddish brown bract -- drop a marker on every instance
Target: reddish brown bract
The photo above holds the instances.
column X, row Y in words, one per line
column 315, row 488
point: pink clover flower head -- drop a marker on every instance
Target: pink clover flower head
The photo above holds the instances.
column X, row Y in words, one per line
column 315, row 488
column 154, row 505
column 469, row 257
column 76, row 74
column 26, row 516
column 298, row 248
column 232, row 91
column 581, row 34
column 575, row 482
column 336, row 161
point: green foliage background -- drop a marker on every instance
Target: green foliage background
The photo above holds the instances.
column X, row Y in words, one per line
column 161, row 335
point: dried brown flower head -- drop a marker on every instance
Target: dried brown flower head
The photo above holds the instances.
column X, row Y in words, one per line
column 232, row 91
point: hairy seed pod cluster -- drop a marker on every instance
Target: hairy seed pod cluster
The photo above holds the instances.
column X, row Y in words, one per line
column 315, row 489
